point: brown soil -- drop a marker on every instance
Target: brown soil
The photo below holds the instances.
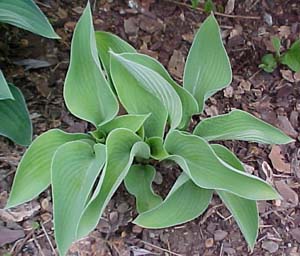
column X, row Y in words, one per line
column 164, row 29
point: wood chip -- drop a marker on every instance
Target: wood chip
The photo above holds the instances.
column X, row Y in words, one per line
column 290, row 197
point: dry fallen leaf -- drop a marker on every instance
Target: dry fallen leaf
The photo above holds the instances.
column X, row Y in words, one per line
column 290, row 197
column 277, row 160
column 176, row 64
column 8, row 236
column 229, row 8
column 287, row 75
column 19, row 213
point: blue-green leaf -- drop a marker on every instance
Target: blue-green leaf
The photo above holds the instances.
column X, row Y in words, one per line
column 138, row 182
column 122, row 146
column 74, row 170
column 244, row 211
column 27, row 15
column 198, row 160
column 207, row 68
column 5, row 93
column 15, row 122
column 34, row 171
column 87, row 93
column 240, row 125
column 186, row 201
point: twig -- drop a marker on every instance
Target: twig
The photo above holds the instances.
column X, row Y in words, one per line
column 159, row 248
column 42, row 4
column 48, row 239
column 216, row 13
column 38, row 245
column 19, row 248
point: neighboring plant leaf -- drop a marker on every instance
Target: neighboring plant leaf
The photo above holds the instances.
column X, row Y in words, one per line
column 137, row 100
column 26, row 15
column 209, row 6
column 207, row 68
column 276, row 44
column 5, row 93
column 138, row 182
column 189, row 104
column 292, row 57
column 15, row 122
column 87, row 93
column 74, row 170
column 240, row 125
column 105, row 42
column 195, row 3
column 243, row 210
column 155, row 84
column 131, row 122
column 34, row 170
column 185, row 202
column 268, row 63
column 121, row 147
column 198, row 160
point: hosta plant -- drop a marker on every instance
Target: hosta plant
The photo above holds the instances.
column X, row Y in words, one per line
column 85, row 170
column 15, row 121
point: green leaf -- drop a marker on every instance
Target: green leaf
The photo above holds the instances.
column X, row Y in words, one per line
column 268, row 63
column 276, row 44
column 75, row 168
column 138, row 182
column 195, row 3
column 87, row 93
column 189, row 104
column 157, row 148
column 243, row 210
column 121, row 147
column 137, row 100
column 130, row 122
column 26, row 15
column 105, row 42
column 209, row 6
column 5, row 93
column 292, row 57
column 155, row 84
column 198, row 160
column 240, row 125
column 207, row 68
column 185, row 202
column 15, row 121
column 34, row 171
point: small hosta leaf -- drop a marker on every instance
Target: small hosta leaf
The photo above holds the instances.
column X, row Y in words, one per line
column 154, row 84
column 198, row 160
column 243, row 210
column 276, row 44
column 138, row 182
column 26, row 15
column 15, row 122
column 75, row 168
column 105, row 42
column 34, row 170
column 292, row 57
column 268, row 63
column 137, row 100
column 131, row 122
column 186, row 201
column 240, row 125
column 5, row 93
column 207, row 68
column 86, row 92
column 121, row 147
column 189, row 104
